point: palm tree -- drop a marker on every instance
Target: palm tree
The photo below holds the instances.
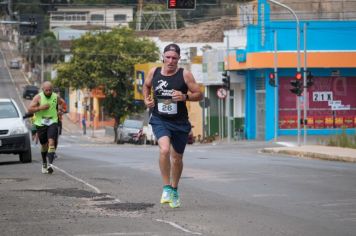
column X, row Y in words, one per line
column 45, row 49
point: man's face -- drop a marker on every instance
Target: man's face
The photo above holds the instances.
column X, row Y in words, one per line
column 47, row 91
column 171, row 59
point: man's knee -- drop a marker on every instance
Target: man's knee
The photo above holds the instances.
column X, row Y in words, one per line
column 164, row 150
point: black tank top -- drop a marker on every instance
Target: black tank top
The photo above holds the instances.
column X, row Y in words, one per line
column 163, row 87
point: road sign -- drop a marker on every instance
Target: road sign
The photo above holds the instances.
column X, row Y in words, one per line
column 221, row 93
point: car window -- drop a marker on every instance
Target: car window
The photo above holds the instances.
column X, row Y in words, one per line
column 8, row 110
column 137, row 124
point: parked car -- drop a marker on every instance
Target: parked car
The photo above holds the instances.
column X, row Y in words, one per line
column 15, row 64
column 131, row 131
column 30, row 91
column 14, row 135
column 149, row 136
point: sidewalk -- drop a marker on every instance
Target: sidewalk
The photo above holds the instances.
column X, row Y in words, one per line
column 284, row 146
column 99, row 135
column 317, row 151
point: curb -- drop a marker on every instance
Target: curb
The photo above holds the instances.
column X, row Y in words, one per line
column 314, row 155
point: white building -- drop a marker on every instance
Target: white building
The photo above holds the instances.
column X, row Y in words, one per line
column 83, row 16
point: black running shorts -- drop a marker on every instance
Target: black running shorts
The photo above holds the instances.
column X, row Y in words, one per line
column 176, row 130
column 47, row 132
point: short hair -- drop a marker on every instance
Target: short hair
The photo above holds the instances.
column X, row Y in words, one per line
column 172, row 47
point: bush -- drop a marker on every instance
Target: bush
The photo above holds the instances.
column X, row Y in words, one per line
column 342, row 140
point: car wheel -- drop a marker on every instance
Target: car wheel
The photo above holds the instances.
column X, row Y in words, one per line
column 26, row 157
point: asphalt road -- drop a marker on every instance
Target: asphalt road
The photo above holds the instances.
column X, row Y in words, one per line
column 107, row 189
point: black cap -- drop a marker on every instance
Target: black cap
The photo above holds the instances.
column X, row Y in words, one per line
column 172, row 47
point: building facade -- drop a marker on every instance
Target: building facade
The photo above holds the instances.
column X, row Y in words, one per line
column 325, row 49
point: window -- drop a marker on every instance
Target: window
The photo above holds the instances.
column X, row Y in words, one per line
column 97, row 17
column 8, row 110
column 58, row 18
column 120, row 18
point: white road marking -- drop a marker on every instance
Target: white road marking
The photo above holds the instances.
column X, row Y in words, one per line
column 178, row 227
column 97, row 190
column 286, row 144
column 78, row 179
column 13, row 81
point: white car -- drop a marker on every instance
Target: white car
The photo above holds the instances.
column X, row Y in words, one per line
column 15, row 64
column 150, row 138
column 14, row 135
column 130, row 132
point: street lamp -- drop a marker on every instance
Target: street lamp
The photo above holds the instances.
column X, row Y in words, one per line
column 298, row 57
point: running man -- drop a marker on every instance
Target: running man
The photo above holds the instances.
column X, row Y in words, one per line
column 44, row 105
column 172, row 87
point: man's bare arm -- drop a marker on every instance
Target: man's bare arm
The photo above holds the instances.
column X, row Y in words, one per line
column 194, row 92
column 35, row 105
column 146, row 90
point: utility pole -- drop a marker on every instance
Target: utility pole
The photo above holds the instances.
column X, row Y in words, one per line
column 275, row 88
column 228, row 92
column 298, row 58
column 305, row 85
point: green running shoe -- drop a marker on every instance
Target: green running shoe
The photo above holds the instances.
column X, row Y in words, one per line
column 166, row 194
column 175, row 202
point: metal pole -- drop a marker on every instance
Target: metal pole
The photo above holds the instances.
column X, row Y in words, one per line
column 298, row 57
column 305, row 85
column 203, row 118
column 219, row 116
column 42, row 64
column 275, row 88
column 228, row 93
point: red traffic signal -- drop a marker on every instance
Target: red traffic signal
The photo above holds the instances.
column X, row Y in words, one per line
column 272, row 79
column 181, row 4
column 298, row 76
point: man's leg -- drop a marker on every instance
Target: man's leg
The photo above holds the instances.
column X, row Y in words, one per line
column 165, row 167
column 42, row 136
column 177, row 167
column 179, row 141
column 164, row 159
column 52, row 134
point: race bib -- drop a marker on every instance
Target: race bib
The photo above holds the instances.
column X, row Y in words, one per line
column 167, row 106
column 47, row 121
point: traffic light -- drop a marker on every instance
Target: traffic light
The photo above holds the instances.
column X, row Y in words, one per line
column 272, row 79
column 181, row 4
column 310, row 81
column 31, row 24
column 226, row 80
column 297, row 84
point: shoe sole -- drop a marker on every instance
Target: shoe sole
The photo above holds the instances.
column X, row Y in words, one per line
column 174, row 206
column 165, row 201
column 50, row 170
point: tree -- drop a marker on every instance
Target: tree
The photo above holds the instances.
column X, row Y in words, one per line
column 106, row 60
column 43, row 49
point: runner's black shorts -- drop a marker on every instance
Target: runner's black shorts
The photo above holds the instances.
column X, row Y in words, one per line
column 47, row 132
column 176, row 130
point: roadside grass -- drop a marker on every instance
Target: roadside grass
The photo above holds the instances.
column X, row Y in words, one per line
column 341, row 140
